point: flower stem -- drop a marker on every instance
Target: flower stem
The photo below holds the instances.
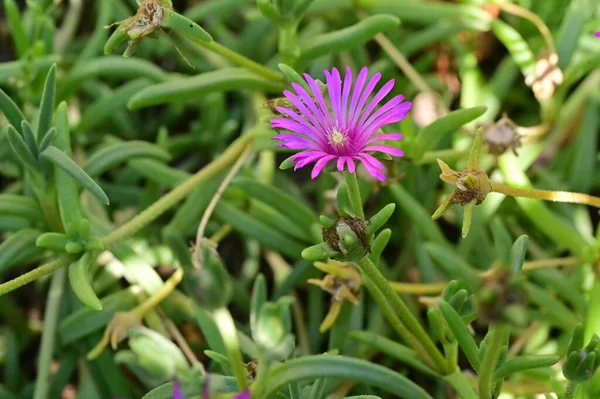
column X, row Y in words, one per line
column 570, row 391
column 498, row 336
column 179, row 193
column 239, row 59
column 396, row 323
column 547, row 195
column 413, row 325
column 461, row 385
column 34, row 274
column 418, row 289
column 354, row 194
column 42, row 382
column 524, row 13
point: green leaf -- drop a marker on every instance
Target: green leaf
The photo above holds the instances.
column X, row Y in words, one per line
column 516, row 45
column 430, row 134
column 209, row 330
column 11, row 111
column 455, row 266
column 47, row 139
column 192, row 88
column 114, row 154
column 253, row 228
column 115, row 39
column 29, row 138
column 22, row 151
column 17, row 205
column 47, row 104
column 571, row 27
column 347, row 38
column 584, row 164
column 107, row 106
column 158, row 172
column 85, row 321
column 431, row 12
column 185, row 27
column 327, row 366
column 461, row 333
column 286, row 203
column 80, row 282
column 393, row 349
column 15, row 245
column 517, row 254
column 62, row 161
column 16, row 29
column 419, row 216
column 522, row 363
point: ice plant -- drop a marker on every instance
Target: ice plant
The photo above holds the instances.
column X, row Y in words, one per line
column 347, row 130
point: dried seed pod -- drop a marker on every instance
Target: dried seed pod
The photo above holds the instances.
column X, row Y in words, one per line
column 546, row 77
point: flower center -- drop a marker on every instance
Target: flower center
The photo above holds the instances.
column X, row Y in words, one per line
column 337, row 138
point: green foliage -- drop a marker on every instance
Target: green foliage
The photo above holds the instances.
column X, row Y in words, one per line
column 109, row 163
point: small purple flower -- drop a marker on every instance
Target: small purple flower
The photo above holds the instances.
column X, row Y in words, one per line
column 347, row 130
column 597, row 34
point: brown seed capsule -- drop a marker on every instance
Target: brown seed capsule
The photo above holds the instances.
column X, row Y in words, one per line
column 546, row 77
column 502, row 136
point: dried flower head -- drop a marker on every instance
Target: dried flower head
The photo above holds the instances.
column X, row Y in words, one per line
column 546, row 77
column 502, row 136
column 346, row 130
column 343, row 282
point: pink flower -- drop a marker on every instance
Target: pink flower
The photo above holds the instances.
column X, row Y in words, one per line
column 597, row 34
column 345, row 132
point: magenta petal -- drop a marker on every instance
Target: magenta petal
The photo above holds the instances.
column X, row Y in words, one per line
column 314, row 115
column 358, row 86
column 371, row 168
column 376, row 100
column 340, row 163
column 306, row 158
column 320, row 165
column 386, row 150
column 364, row 97
column 243, row 395
column 351, row 166
column 177, row 392
column 314, row 87
column 346, row 92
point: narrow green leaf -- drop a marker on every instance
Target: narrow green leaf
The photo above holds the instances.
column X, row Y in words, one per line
column 85, row 321
column 29, row 137
column 455, row 266
column 431, row 12
column 347, row 38
column 80, row 282
column 158, row 172
column 393, row 349
column 47, row 139
column 209, row 329
column 461, row 333
column 419, row 216
column 430, row 134
column 559, row 313
column 16, row 29
column 327, row 366
column 11, row 111
column 114, row 154
column 522, row 363
column 253, row 228
column 17, row 205
column 584, row 164
column 115, row 39
column 22, row 151
column 185, row 27
column 61, row 160
column 14, row 245
column 107, row 106
column 571, row 27
column 517, row 254
column 47, row 104
column 516, row 45
column 286, row 203
column 185, row 89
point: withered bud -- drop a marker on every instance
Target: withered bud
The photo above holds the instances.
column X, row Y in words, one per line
column 546, row 77
column 495, row 296
column 472, row 184
column 502, row 136
column 348, row 236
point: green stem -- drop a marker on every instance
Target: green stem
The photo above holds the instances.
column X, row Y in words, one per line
column 42, row 382
column 228, row 332
column 36, row 273
column 461, row 385
column 411, row 322
column 354, row 194
column 239, row 59
column 180, row 192
column 396, row 323
column 498, row 336
column 571, row 390
column 264, row 365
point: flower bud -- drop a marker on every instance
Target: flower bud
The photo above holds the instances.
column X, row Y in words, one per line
column 211, row 283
